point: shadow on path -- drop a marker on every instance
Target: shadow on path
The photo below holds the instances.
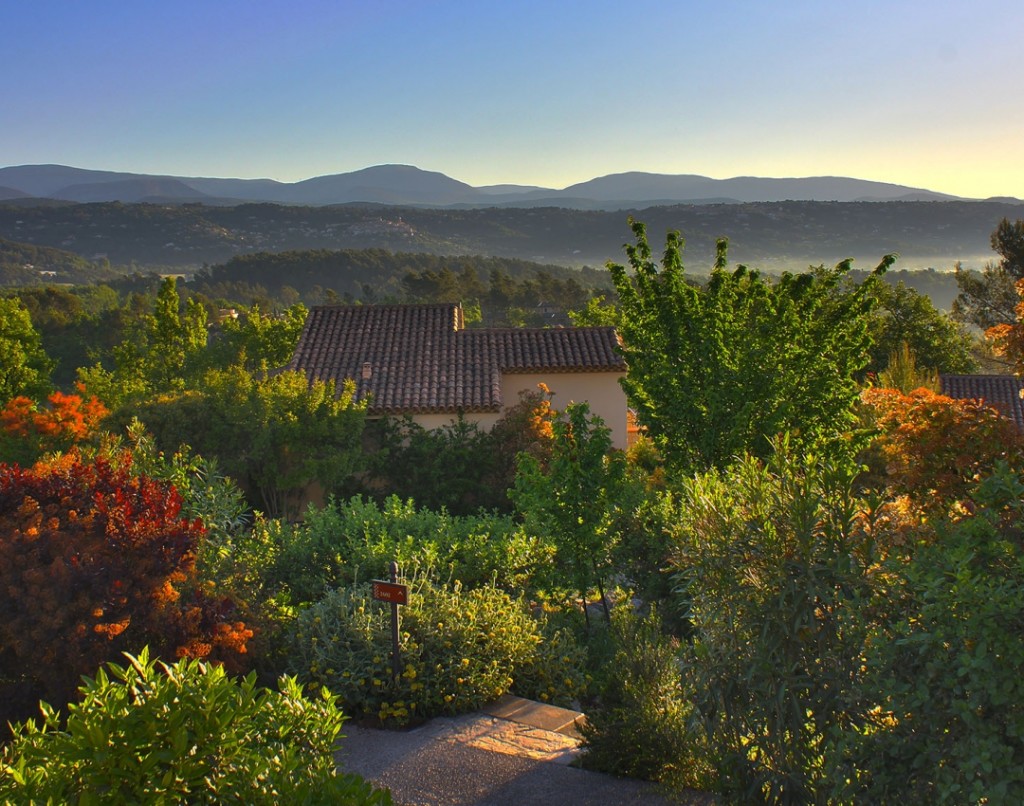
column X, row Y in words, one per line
column 514, row 752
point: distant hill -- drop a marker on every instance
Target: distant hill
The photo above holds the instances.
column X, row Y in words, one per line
column 10, row 193
column 405, row 185
column 768, row 235
column 25, row 264
column 142, row 189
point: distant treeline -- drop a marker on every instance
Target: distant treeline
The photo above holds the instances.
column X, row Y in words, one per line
column 496, row 285
column 767, row 235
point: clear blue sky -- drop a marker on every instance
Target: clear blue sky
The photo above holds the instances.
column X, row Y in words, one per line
column 925, row 93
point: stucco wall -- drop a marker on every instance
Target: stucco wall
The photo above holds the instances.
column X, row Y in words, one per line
column 601, row 390
column 485, row 420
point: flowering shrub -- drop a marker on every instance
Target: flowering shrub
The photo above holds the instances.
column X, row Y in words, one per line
column 556, row 671
column 187, row 733
column 28, row 430
column 93, row 562
column 459, row 650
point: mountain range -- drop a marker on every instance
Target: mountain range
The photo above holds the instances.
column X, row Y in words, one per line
column 405, row 185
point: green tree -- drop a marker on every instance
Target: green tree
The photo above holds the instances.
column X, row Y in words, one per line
column 598, row 312
column 162, row 353
column 989, row 297
column 256, row 339
column 277, row 435
column 904, row 316
column 721, row 369
column 574, row 498
column 24, row 366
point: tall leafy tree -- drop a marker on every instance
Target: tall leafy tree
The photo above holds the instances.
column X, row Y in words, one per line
column 573, row 498
column 24, row 366
column 256, row 339
column 989, row 298
column 906, row 317
column 163, row 352
column 719, row 369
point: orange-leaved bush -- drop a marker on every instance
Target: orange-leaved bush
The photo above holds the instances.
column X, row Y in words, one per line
column 28, row 430
column 936, row 448
column 94, row 562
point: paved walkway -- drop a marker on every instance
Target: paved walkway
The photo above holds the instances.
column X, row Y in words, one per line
column 514, row 752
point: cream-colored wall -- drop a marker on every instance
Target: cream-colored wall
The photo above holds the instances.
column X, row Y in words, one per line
column 601, row 390
column 485, row 420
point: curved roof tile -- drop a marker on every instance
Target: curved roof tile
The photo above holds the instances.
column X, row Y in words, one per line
column 421, row 358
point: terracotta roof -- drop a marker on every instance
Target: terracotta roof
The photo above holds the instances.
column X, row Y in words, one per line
column 1001, row 392
column 419, row 358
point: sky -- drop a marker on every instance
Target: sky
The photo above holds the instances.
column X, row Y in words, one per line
column 924, row 93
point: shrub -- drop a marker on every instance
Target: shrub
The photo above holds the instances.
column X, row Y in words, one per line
column 356, row 539
column 448, row 467
column 27, row 431
column 459, row 649
column 556, row 671
column 640, row 725
column 153, row 733
column 777, row 568
column 946, row 672
column 95, row 561
column 459, row 467
column 936, row 448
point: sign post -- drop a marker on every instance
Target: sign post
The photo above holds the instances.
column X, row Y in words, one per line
column 396, row 594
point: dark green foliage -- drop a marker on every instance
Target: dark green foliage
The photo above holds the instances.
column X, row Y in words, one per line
column 946, row 670
column 24, row 264
column 454, row 467
column 574, row 498
column 321, row 276
column 805, row 232
column 645, row 522
column 721, row 369
column 989, row 297
column 276, row 435
column 775, row 566
column 640, row 726
column 147, row 732
column 904, row 316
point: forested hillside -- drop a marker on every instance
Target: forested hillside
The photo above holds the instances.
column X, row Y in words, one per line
column 772, row 235
column 25, row 264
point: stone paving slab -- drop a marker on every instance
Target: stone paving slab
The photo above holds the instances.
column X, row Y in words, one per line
column 537, row 714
